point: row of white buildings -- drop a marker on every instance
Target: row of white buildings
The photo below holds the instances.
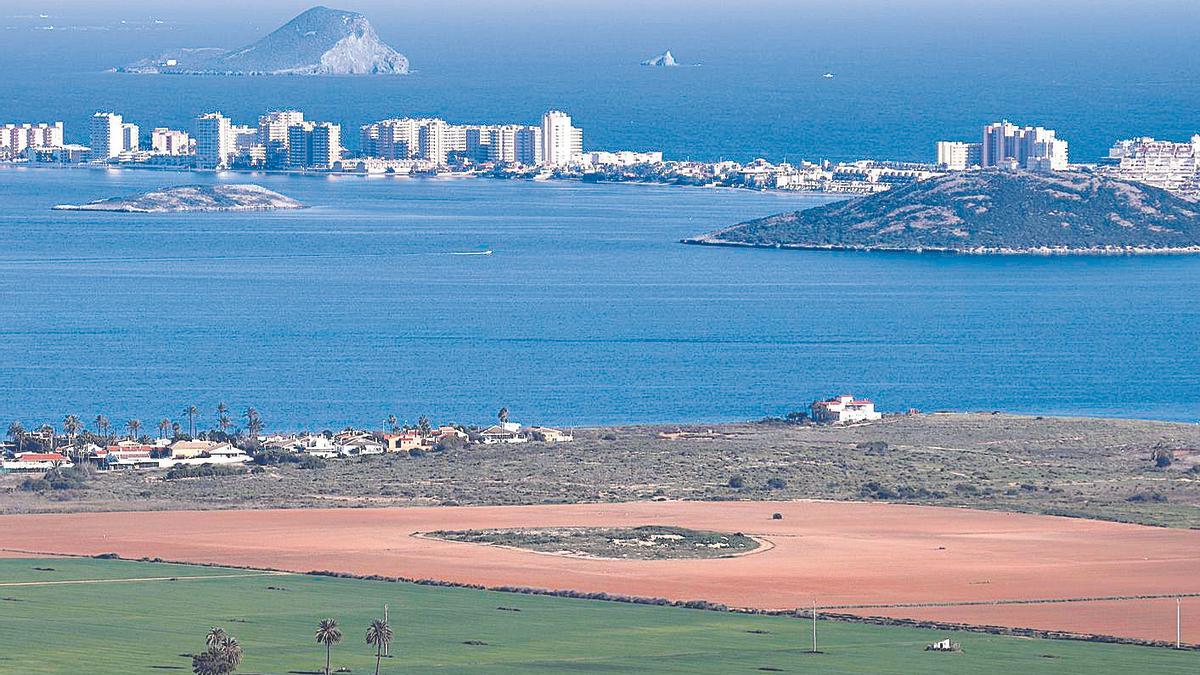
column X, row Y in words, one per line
column 1166, row 164
column 1006, row 146
column 556, row 142
column 284, row 139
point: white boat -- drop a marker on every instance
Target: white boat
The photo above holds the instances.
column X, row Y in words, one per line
column 485, row 252
column 828, row 76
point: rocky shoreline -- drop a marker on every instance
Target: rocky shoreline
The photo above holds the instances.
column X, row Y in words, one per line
column 1038, row 251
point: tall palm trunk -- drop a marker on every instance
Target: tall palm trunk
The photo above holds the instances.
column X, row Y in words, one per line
column 327, row 658
column 378, row 656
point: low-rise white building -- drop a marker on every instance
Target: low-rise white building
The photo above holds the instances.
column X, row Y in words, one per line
column 844, row 409
column 34, row 462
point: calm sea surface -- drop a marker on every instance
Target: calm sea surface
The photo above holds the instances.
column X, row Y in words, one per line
column 588, row 312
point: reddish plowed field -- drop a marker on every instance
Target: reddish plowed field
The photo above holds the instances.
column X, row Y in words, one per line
column 837, row 553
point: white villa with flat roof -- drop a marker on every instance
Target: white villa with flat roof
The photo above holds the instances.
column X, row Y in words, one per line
column 844, row 409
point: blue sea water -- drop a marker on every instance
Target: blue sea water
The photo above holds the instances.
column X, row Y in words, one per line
column 588, row 312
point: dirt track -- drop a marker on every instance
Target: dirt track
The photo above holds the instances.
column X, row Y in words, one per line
column 835, row 553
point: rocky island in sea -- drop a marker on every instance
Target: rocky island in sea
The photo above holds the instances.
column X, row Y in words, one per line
column 664, row 60
column 199, row 198
column 320, row 41
column 987, row 212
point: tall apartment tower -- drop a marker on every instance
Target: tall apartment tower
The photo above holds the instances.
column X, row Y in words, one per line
column 315, row 145
column 130, row 137
column 528, row 145
column 106, row 136
column 560, row 140
column 432, row 141
column 1007, row 145
column 503, row 149
column 273, row 134
column 214, row 141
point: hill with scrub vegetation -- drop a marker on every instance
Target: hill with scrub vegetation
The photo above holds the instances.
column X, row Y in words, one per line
column 987, row 212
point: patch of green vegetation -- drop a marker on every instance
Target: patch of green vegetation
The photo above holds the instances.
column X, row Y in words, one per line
column 648, row 542
column 153, row 626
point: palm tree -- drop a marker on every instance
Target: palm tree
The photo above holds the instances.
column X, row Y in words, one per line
column 164, row 425
column 47, row 431
column 391, row 421
column 223, row 420
column 424, row 427
column 216, row 635
column 133, row 426
column 329, row 635
column 379, row 635
column 102, row 426
column 175, row 429
column 72, row 425
column 16, row 431
column 222, row 656
column 502, row 415
column 254, row 425
column 191, row 411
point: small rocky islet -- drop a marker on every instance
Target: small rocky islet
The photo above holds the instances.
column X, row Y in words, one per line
column 192, row 198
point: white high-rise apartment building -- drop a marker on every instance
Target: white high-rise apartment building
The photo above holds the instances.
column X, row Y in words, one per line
column 164, row 141
column 432, row 141
column 106, row 134
column 958, row 156
column 1009, row 146
column 503, row 149
column 529, row 145
column 130, row 137
column 273, row 134
column 560, row 141
column 314, row 145
column 214, row 141
column 15, row 138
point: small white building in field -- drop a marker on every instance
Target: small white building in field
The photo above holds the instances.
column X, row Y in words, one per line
column 844, row 409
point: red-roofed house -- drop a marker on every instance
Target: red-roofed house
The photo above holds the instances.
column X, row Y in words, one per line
column 29, row 462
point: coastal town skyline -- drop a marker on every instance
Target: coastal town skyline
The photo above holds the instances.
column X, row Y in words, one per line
column 283, row 139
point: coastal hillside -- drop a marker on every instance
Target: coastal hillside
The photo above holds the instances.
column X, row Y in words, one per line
column 320, row 41
column 987, row 212
column 205, row 198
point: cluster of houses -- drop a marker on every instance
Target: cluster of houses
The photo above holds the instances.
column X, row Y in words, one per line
column 166, row 454
column 129, row 454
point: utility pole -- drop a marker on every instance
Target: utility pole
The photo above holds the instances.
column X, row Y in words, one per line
column 814, row 622
column 1178, row 625
column 387, row 646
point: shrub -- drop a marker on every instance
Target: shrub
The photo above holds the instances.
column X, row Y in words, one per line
column 1146, row 497
column 609, row 437
column 1162, row 457
column 34, row 485
column 311, row 462
column 736, row 482
column 202, row 471
column 776, row 483
column 874, row 447
column 776, row 516
column 448, row 443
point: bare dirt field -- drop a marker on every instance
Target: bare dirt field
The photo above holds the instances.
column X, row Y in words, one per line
column 1091, row 468
column 840, row 555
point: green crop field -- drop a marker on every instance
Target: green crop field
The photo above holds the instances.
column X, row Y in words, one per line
column 134, row 617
